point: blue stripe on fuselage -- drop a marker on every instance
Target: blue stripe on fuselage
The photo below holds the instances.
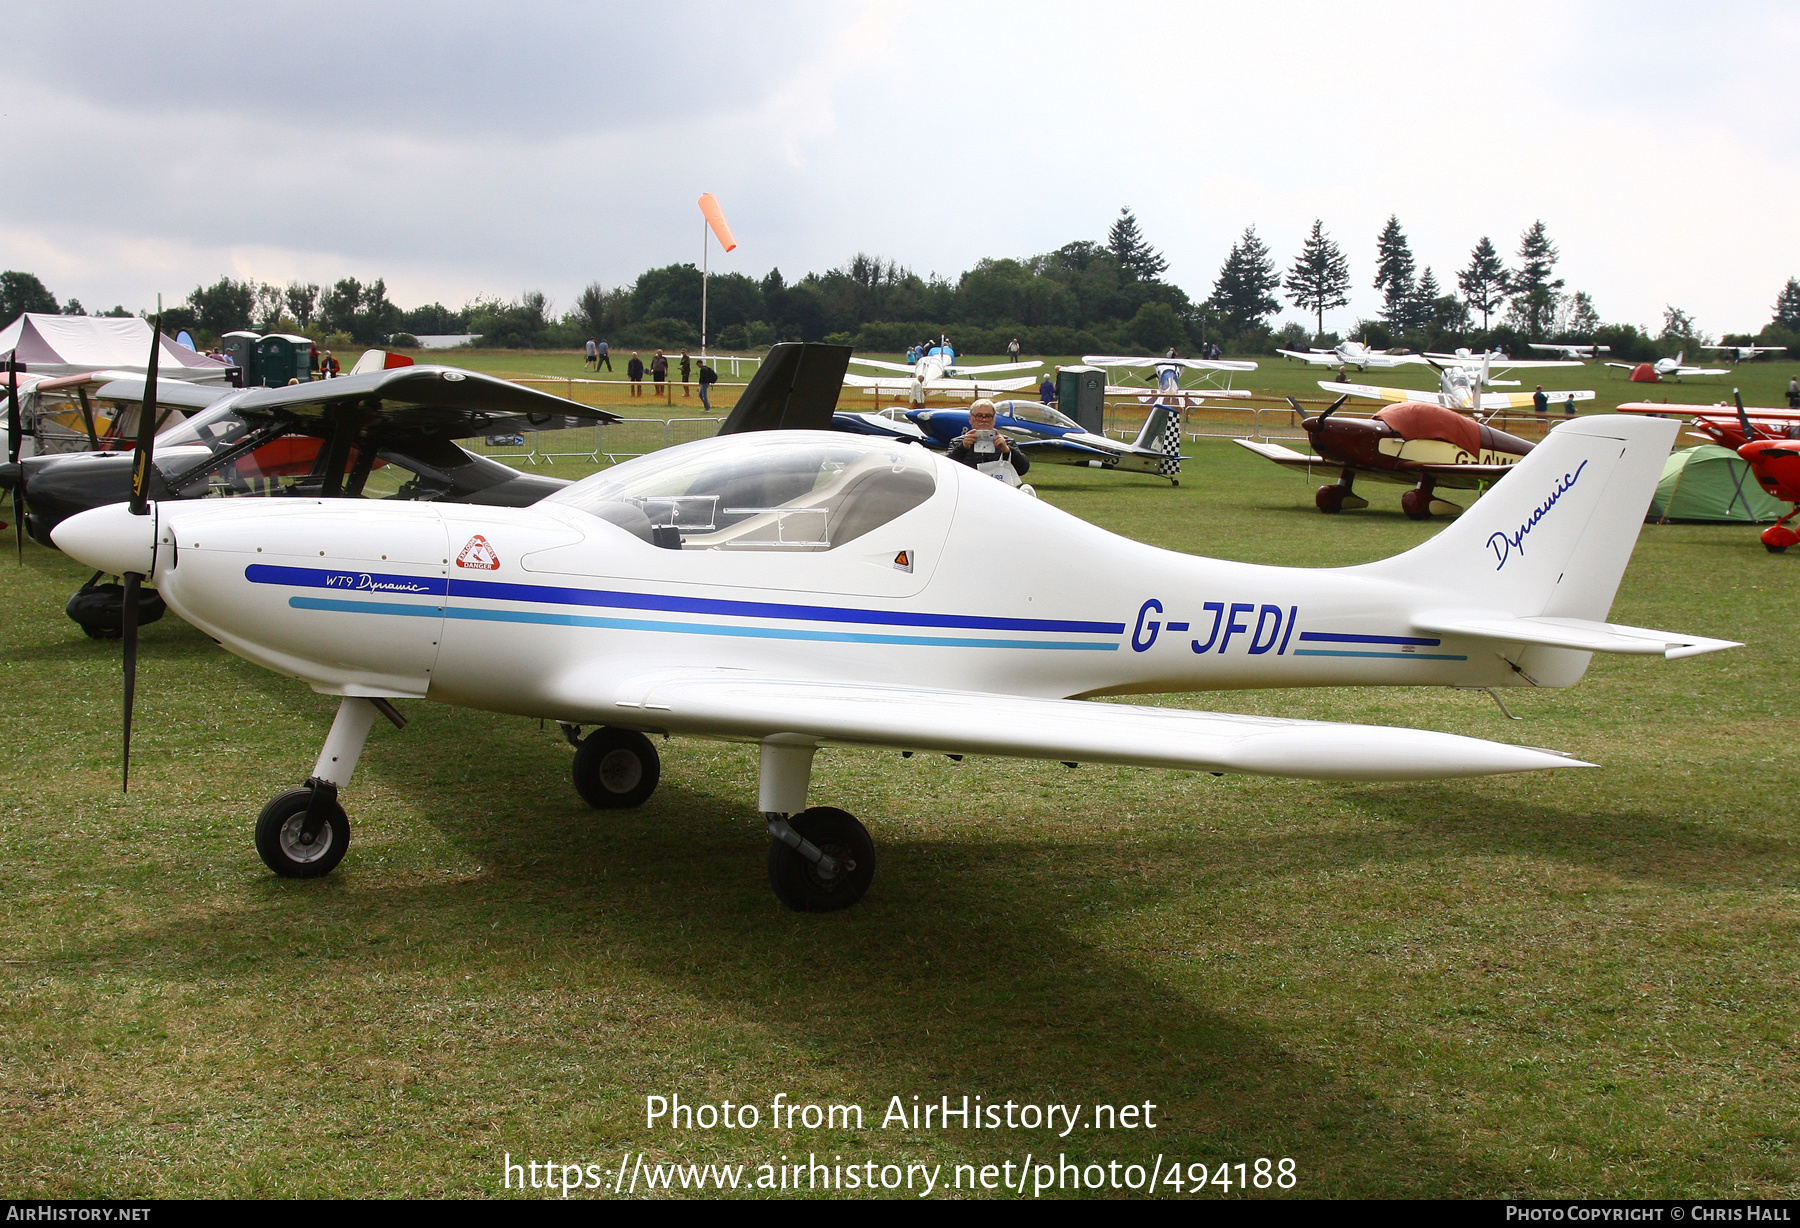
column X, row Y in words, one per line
column 491, row 590
column 404, row 609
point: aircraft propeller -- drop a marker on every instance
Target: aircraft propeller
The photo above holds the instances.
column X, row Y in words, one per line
column 140, row 506
column 1743, row 417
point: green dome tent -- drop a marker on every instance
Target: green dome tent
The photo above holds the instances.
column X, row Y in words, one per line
column 1711, row 483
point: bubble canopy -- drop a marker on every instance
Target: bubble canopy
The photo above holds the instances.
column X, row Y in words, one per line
column 766, row 490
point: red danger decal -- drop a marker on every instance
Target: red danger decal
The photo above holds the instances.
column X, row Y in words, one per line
column 478, row 555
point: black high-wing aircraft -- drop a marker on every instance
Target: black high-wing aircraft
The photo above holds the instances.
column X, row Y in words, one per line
column 384, row 434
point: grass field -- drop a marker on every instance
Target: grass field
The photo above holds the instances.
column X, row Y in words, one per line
column 1580, row 984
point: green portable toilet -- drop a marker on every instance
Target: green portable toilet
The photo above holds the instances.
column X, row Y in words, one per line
column 281, row 357
column 1711, row 483
column 1081, row 394
column 239, row 349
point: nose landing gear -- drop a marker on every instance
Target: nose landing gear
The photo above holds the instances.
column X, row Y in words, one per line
column 304, row 832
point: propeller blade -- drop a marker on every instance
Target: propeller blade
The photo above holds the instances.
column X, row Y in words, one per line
column 1335, row 406
column 146, row 440
column 19, row 515
column 128, row 635
column 1297, row 408
column 1743, row 417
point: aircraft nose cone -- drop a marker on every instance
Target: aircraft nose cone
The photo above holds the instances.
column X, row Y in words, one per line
column 109, row 539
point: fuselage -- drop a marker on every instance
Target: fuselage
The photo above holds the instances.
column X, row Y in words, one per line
column 552, row 611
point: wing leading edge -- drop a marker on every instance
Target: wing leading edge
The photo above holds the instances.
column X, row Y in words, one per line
column 725, row 705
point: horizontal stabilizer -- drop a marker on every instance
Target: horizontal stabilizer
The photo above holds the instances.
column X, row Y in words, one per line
column 972, row 723
column 1577, row 633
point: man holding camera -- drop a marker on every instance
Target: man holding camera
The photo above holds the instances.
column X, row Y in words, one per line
column 985, row 449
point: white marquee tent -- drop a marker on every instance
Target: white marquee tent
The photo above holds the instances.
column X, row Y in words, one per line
column 65, row 345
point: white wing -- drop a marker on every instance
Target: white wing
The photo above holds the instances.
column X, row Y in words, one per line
column 1324, row 358
column 1701, row 371
column 728, row 705
column 1373, row 393
column 1388, row 360
column 1033, row 365
column 1192, row 364
column 882, row 366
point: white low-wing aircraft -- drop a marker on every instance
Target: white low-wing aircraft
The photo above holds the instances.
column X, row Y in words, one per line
column 1572, row 351
column 1739, row 353
column 1664, row 368
column 1167, row 373
column 938, row 373
column 1493, row 360
column 1352, row 354
column 802, row 589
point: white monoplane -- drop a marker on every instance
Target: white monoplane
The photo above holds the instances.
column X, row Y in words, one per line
column 1572, row 351
column 1352, row 354
column 1167, row 374
column 937, row 373
column 1740, row 353
column 800, row 589
column 1665, row 368
column 1460, row 386
column 1492, row 361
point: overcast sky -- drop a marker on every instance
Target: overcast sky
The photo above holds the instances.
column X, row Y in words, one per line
column 462, row 149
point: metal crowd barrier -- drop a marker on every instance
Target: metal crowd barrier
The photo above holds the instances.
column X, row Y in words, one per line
column 615, row 442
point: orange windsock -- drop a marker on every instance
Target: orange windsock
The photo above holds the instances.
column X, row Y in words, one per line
column 715, row 217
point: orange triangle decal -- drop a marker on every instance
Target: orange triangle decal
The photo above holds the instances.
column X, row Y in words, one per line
column 478, row 555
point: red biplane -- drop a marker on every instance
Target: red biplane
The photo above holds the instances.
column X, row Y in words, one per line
column 1769, row 439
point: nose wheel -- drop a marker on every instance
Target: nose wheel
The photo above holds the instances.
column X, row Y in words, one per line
column 820, row 860
column 303, row 833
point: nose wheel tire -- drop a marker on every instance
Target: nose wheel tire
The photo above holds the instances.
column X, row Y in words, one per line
column 616, row 769
column 282, row 842
column 801, row 885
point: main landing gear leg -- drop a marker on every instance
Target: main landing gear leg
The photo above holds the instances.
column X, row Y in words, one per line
column 1339, row 495
column 820, row 858
column 304, row 833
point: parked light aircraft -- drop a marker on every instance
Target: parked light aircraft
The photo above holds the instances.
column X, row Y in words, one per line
column 1769, row 439
column 797, row 589
column 1352, row 354
column 1493, row 360
column 1572, row 351
column 1166, row 374
column 1459, row 387
column 1664, row 368
column 1416, row 443
column 937, row 373
column 1044, row 432
column 1738, row 353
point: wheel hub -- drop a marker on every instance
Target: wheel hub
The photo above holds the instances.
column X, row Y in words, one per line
column 301, row 847
column 620, row 771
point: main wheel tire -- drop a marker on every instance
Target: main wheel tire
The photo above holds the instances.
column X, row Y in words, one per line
column 616, row 769
column 1774, row 549
column 797, row 881
column 1329, row 499
column 1416, row 504
column 282, row 845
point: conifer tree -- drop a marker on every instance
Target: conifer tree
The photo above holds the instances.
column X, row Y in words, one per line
column 1136, row 258
column 1787, row 306
column 1485, row 282
column 1534, row 291
column 1320, row 277
column 1243, row 292
column 1421, row 307
column 1394, row 276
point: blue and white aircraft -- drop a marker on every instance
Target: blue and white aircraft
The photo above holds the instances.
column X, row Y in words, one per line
column 937, row 373
column 804, row 589
column 1044, row 432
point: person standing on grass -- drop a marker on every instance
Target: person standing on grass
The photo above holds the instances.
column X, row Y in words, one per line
column 605, row 357
column 1012, row 349
column 634, row 371
column 1540, row 402
column 708, row 377
column 1047, row 391
column 685, row 366
column 328, row 366
column 659, row 371
column 593, row 357
column 1569, row 406
column 1794, row 393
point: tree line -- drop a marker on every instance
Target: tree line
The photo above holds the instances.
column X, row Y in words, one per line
column 1084, row 296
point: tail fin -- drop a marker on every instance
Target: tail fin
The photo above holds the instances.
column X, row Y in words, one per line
column 1162, row 433
column 1552, row 538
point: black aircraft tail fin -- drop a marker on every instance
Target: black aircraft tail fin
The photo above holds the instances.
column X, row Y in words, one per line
column 796, row 389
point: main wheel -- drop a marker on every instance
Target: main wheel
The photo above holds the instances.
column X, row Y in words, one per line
column 1416, row 504
column 1330, row 499
column 616, row 768
column 282, row 843
column 799, row 884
